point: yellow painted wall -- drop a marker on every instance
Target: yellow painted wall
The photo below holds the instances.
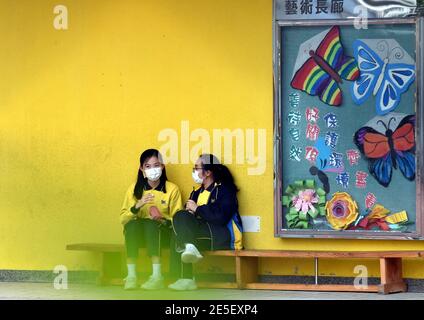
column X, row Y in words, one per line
column 78, row 106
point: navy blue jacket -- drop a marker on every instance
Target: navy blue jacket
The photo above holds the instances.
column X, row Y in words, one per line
column 219, row 212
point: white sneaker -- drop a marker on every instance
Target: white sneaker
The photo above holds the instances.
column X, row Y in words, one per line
column 154, row 283
column 130, row 283
column 190, row 254
column 183, row 285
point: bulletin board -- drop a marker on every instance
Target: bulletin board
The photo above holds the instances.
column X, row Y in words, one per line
column 347, row 130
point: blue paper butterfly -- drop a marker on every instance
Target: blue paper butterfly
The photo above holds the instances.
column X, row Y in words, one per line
column 387, row 81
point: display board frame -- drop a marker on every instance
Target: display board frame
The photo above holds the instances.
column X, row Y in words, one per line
column 279, row 125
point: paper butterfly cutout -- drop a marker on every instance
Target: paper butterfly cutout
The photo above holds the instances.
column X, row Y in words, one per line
column 389, row 150
column 324, row 70
column 387, row 81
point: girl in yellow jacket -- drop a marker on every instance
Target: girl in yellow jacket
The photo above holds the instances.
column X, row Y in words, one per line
column 146, row 215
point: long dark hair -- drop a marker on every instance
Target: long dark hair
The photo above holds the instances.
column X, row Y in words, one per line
column 141, row 180
column 220, row 172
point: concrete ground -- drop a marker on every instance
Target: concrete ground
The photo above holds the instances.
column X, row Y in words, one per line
column 45, row 291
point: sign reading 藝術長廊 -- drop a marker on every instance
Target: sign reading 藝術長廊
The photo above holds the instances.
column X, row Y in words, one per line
column 343, row 9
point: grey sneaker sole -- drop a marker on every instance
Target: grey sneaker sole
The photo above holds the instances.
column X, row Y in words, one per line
column 190, row 258
column 187, row 289
column 131, row 288
column 152, row 289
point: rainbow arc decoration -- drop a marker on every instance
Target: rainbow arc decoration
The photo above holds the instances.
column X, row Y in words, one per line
column 325, row 68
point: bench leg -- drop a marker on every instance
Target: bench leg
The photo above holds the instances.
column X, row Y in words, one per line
column 246, row 271
column 316, row 270
column 391, row 276
column 110, row 268
column 102, row 274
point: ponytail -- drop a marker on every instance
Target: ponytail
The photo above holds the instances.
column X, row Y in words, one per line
column 220, row 172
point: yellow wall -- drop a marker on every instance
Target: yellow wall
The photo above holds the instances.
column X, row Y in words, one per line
column 78, row 106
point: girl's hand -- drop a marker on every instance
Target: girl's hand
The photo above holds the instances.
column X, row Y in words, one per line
column 147, row 198
column 155, row 213
column 191, row 206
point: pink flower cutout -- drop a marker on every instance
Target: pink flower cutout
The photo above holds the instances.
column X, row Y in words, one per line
column 305, row 200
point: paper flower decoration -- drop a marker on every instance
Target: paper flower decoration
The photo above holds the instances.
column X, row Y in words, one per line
column 304, row 202
column 378, row 212
column 398, row 217
column 379, row 219
column 372, row 219
column 342, row 211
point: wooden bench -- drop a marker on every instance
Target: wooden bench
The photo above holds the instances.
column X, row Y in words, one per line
column 247, row 271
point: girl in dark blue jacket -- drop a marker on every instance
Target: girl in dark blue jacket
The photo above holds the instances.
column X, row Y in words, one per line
column 211, row 220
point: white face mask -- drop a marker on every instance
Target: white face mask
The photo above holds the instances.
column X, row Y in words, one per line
column 196, row 177
column 153, row 174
